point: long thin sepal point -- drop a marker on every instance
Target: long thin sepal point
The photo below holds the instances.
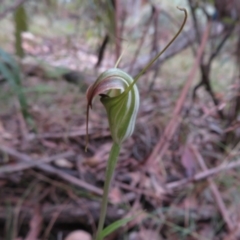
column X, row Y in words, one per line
column 159, row 54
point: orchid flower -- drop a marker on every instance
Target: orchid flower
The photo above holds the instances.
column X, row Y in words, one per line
column 121, row 102
column 120, row 97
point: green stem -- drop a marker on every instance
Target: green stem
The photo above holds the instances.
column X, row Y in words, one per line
column 159, row 54
column 111, row 164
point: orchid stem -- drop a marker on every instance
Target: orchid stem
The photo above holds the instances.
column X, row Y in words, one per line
column 111, row 165
column 160, row 53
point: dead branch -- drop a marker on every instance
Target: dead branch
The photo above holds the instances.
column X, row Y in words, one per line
column 195, row 22
column 71, row 213
column 206, row 71
column 9, row 168
column 215, row 191
column 49, row 169
column 204, row 175
column 164, row 141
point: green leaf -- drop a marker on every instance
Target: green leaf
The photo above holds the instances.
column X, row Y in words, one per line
column 114, row 226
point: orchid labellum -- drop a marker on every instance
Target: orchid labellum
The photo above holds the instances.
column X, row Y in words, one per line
column 120, row 99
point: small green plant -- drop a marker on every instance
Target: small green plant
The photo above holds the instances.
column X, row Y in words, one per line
column 10, row 70
column 120, row 97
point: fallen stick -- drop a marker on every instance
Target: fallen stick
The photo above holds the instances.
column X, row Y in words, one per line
column 10, row 168
column 49, row 169
column 70, row 134
column 203, row 175
column 73, row 213
column 215, row 191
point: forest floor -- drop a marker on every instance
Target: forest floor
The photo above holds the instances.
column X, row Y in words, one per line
column 175, row 169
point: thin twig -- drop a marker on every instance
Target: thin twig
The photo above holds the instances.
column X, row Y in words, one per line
column 185, row 33
column 10, row 168
column 144, row 34
column 155, row 48
column 179, row 45
column 36, row 224
column 195, row 22
column 138, row 190
column 84, row 206
column 70, row 134
column 47, row 168
column 203, row 175
column 215, row 191
column 53, row 220
column 164, row 142
column 117, row 15
column 221, row 44
column 19, row 206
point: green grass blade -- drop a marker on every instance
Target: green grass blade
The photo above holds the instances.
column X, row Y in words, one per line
column 11, row 72
column 114, row 226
